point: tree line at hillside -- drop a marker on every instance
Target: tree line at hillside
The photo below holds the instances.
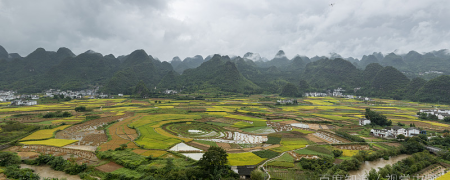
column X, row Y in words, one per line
column 374, row 76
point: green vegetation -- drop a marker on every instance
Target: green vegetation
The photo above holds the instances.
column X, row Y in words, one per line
column 210, row 143
column 410, row 165
column 57, row 114
column 59, row 164
column 289, row 90
column 315, row 150
column 377, row 118
column 13, row 130
column 286, row 161
column 266, row 154
column 349, row 137
column 272, row 139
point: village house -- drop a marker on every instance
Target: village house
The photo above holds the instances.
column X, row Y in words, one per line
column 441, row 114
column 364, row 121
column 72, row 94
column 412, row 131
column 8, row 95
column 394, row 131
column 168, row 91
column 283, row 101
column 120, row 95
column 243, row 171
column 382, row 133
column 23, row 103
column 316, row 94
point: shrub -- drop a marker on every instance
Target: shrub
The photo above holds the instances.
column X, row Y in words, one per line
column 80, row 109
column 350, row 137
column 337, row 153
column 9, row 158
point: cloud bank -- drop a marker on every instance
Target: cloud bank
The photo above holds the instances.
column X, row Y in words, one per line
column 168, row 28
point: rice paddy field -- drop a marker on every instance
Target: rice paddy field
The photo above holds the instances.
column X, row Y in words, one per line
column 51, row 142
column 44, row 134
column 250, row 130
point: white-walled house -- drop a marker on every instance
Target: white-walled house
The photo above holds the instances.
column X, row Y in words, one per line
column 442, row 116
column 396, row 130
column 364, row 121
column 23, row 103
column 412, row 131
column 29, row 103
column 380, row 133
column 393, row 131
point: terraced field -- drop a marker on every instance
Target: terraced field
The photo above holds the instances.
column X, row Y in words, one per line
column 250, row 131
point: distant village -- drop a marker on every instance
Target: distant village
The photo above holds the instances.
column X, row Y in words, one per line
column 394, row 131
column 31, row 99
column 336, row 93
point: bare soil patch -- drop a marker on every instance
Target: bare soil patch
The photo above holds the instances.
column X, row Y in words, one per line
column 393, row 144
column 110, row 167
column 28, row 155
column 315, row 139
column 224, row 145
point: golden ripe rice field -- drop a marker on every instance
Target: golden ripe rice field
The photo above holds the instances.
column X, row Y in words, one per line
column 44, row 134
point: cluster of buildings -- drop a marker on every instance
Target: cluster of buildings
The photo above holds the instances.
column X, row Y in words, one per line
column 7, row 96
column 336, row 93
column 168, row 91
column 391, row 132
column 431, row 72
column 18, row 100
column 394, row 131
column 441, row 114
column 23, row 103
column 91, row 93
column 286, row 101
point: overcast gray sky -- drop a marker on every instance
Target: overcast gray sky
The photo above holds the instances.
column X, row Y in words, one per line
column 168, row 28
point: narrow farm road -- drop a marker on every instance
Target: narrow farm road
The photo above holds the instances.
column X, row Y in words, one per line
column 274, row 158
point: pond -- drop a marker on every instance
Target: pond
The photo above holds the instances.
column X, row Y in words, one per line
column 46, row 171
column 368, row 165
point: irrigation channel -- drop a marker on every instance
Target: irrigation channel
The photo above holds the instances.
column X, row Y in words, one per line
column 368, row 165
column 47, row 172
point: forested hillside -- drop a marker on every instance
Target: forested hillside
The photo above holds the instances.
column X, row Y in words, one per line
column 374, row 75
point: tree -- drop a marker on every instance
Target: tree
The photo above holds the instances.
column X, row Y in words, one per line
column 377, row 118
column 9, row 158
column 413, row 145
column 337, row 153
column 66, row 114
column 215, row 159
column 141, row 90
column 447, row 119
column 303, row 86
column 80, row 109
column 423, row 137
column 401, row 136
column 372, row 175
column 257, row 175
column 289, row 90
